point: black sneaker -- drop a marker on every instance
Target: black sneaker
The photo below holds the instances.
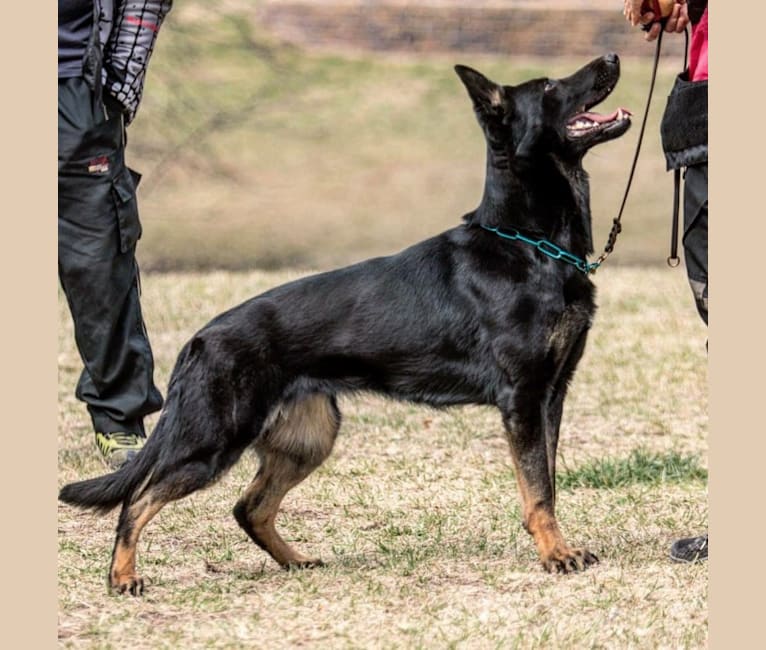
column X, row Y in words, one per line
column 119, row 448
column 690, row 549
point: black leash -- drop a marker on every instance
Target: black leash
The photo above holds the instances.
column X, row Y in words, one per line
column 616, row 222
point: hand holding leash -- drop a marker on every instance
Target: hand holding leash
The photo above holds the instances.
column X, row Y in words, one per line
column 655, row 15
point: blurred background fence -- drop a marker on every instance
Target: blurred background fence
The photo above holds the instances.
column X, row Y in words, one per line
column 311, row 134
column 507, row 27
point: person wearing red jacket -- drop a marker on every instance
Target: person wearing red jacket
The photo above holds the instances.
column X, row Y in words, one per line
column 685, row 144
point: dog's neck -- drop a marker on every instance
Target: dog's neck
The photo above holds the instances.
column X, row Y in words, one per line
column 548, row 196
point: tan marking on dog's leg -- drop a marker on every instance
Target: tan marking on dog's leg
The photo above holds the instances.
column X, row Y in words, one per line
column 304, row 430
column 540, row 522
column 122, row 573
column 263, row 500
column 299, row 439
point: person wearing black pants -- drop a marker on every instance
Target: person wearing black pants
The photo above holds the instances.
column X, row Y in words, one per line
column 685, row 145
column 104, row 47
column 695, row 234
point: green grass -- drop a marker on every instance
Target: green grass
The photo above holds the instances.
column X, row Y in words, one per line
column 416, row 513
column 640, row 467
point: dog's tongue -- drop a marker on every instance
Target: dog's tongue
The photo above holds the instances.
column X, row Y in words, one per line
column 601, row 119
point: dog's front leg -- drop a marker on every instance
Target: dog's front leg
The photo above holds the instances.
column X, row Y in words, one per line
column 525, row 429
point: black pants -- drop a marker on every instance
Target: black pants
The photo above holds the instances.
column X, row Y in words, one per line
column 695, row 234
column 98, row 231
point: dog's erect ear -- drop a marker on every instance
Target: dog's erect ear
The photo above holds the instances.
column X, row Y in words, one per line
column 487, row 96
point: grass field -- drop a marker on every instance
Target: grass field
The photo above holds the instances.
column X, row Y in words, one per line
column 257, row 156
column 416, row 512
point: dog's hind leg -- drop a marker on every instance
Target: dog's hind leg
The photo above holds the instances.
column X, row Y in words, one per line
column 165, row 484
column 296, row 442
column 181, row 464
column 133, row 518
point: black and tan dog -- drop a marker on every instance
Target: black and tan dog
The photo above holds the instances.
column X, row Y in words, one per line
column 468, row 316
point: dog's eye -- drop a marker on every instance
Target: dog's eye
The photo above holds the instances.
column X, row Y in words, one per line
column 549, row 86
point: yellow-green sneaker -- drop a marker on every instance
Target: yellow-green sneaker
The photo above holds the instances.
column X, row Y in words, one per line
column 118, row 448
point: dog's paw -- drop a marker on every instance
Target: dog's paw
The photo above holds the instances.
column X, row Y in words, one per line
column 568, row 560
column 304, row 563
column 128, row 584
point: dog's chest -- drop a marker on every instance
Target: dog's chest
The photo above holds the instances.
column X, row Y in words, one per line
column 541, row 334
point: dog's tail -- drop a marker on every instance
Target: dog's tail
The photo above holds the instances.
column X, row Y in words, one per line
column 104, row 493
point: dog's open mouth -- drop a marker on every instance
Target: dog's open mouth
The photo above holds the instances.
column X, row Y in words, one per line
column 588, row 122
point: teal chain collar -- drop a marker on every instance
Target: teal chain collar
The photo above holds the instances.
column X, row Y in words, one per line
column 548, row 248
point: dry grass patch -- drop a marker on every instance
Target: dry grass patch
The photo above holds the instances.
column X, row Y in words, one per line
column 417, row 513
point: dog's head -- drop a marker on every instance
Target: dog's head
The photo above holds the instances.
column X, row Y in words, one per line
column 545, row 116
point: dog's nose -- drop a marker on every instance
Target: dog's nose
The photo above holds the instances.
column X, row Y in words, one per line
column 612, row 58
